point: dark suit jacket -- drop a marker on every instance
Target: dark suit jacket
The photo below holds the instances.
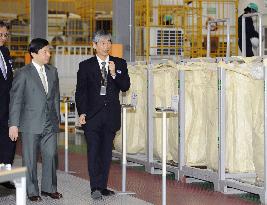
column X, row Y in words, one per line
column 88, row 98
column 29, row 102
column 5, row 86
column 250, row 33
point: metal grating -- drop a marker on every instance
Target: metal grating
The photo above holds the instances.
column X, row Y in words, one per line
column 171, row 40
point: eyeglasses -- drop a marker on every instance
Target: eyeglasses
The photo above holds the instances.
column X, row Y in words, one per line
column 6, row 35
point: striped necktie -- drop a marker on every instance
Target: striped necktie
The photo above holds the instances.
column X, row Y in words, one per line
column 2, row 65
column 104, row 71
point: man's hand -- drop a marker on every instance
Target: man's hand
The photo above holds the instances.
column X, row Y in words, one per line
column 13, row 133
column 111, row 67
column 82, row 119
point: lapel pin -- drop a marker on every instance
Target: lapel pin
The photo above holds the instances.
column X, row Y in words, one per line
column 10, row 62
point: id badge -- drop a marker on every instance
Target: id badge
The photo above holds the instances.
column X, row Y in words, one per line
column 103, row 90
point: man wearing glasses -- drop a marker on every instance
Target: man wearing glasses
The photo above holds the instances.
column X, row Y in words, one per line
column 7, row 147
column 99, row 82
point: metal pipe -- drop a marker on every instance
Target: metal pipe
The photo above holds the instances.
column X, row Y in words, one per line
column 219, row 20
column 181, row 121
column 164, row 112
column 228, row 39
column 20, row 191
column 243, row 38
column 208, row 41
column 66, row 139
column 164, row 156
column 124, row 147
column 260, row 35
column 147, row 30
column 265, row 133
column 130, row 30
column 227, row 21
column 150, row 113
column 221, row 122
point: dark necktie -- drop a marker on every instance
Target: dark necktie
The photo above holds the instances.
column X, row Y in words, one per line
column 104, row 72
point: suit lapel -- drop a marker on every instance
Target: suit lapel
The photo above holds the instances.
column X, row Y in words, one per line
column 49, row 79
column 2, row 56
column 7, row 63
column 97, row 71
column 111, row 58
column 36, row 77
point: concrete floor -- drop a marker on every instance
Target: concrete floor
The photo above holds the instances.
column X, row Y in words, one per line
column 146, row 186
column 75, row 190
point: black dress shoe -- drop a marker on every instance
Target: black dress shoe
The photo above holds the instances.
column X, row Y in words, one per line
column 35, row 198
column 8, row 185
column 107, row 192
column 55, row 195
column 96, row 194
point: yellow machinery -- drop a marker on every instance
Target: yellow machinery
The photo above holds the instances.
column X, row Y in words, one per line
column 178, row 28
column 65, row 25
column 163, row 28
column 70, row 22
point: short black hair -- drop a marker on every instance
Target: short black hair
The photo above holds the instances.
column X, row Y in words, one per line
column 3, row 24
column 36, row 44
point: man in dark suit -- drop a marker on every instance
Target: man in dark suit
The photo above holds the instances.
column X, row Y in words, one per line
column 34, row 111
column 99, row 82
column 7, row 147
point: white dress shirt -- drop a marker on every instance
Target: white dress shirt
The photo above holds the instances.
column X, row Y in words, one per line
column 106, row 66
column 38, row 68
column 100, row 61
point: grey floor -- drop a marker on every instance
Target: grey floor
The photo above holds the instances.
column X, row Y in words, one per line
column 75, row 191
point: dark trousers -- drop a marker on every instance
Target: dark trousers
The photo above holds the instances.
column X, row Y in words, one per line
column 7, row 146
column 99, row 139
